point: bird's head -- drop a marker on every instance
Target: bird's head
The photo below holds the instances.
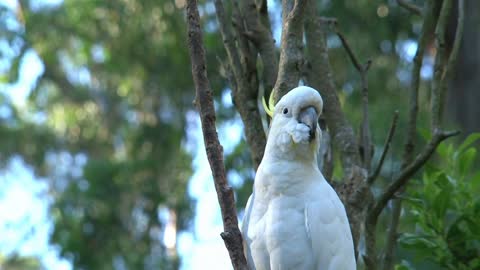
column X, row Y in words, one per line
column 294, row 129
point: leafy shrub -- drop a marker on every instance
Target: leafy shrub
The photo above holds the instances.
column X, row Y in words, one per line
column 445, row 206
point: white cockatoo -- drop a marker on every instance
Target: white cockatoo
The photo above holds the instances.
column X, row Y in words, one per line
column 294, row 220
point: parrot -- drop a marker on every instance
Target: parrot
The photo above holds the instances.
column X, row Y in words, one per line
column 294, row 219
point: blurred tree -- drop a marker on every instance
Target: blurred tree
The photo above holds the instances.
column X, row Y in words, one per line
column 19, row 263
column 105, row 122
column 464, row 94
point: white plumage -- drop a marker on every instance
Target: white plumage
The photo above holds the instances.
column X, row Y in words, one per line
column 294, row 219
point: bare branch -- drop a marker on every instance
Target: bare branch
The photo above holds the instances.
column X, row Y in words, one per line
column 349, row 50
column 228, row 39
column 260, row 33
column 427, row 29
column 321, row 78
column 410, row 7
column 407, row 172
column 231, row 235
column 365, row 137
column 440, row 63
column 386, row 147
column 375, row 208
column 245, row 84
column 409, row 148
column 392, row 234
column 291, row 49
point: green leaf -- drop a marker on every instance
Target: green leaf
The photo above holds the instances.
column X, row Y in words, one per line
column 468, row 141
column 425, row 133
column 414, row 241
column 415, row 202
column 466, row 160
column 442, row 181
column 441, row 202
column 475, row 182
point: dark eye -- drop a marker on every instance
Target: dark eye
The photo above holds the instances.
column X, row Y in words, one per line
column 285, row 110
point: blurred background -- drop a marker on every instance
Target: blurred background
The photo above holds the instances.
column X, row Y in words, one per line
column 102, row 164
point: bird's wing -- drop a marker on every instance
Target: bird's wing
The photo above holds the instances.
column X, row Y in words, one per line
column 246, row 240
column 327, row 226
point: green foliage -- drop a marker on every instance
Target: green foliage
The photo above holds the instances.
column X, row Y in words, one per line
column 105, row 122
column 19, row 263
column 445, row 208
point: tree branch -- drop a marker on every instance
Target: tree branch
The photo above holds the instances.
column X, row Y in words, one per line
column 260, row 33
column 231, row 235
column 386, row 147
column 365, row 137
column 409, row 148
column 410, row 7
column 392, row 235
column 349, row 50
column 439, row 67
column 290, row 49
column 407, row 172
column 320, row 76
column 245, row 86
column 375, row 208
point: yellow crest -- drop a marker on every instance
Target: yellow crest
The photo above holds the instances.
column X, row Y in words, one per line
column 271, row 105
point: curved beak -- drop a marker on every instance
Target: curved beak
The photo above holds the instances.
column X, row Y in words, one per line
column 309, row 117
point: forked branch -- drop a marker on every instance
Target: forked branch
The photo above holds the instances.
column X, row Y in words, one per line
column 365, row 137
column 406, row 173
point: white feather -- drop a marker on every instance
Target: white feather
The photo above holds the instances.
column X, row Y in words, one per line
column 294, row 219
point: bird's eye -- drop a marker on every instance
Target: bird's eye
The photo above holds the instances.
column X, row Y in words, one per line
column 285, row 110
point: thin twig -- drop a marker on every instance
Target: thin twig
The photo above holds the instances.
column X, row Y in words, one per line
column 407, row 172
column 386, row 147
column 349, row 50
column 410, row 7
column 321, row 77
column 231, row 235
column 375, row 208
column 411, row 130
column 365, row 137
column 392, row 234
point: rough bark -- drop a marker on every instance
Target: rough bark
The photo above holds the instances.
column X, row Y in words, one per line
column 244, row 81
column 231, row 235
column 320, row 76
column 258, row 30
column 291, row 47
